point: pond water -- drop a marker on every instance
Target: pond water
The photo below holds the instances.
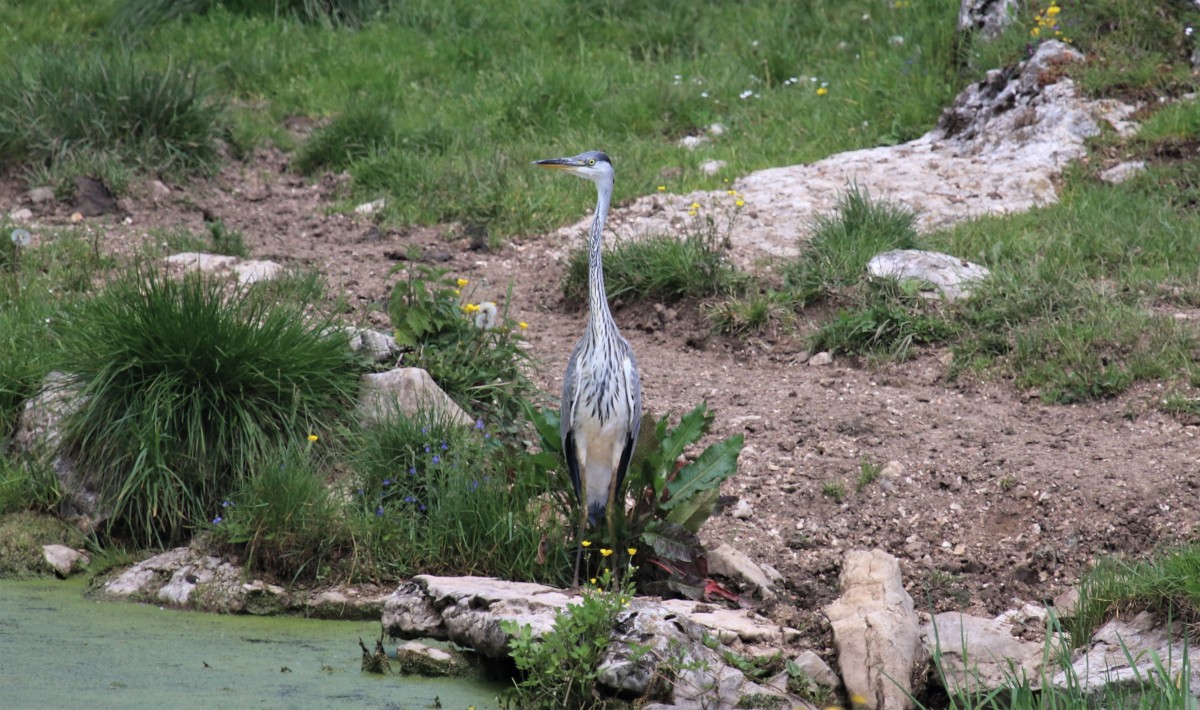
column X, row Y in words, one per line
column 59, row 649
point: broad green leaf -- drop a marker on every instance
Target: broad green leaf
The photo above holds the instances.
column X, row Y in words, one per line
column 691, row 427
column 418, row 321
column 714, row 465
column 671, row 542
column 692, row 512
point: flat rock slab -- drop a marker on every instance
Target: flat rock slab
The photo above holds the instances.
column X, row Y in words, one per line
column 1008, row 140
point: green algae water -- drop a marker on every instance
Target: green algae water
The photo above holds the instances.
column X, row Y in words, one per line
column 60, row 650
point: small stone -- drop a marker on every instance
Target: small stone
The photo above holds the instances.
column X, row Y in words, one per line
column 742, row 510
column 820, row 359
column 716, row 129
column 76, row 217
column 64, row 560
column 892, row 469
column 712, row 167
column 1121, row 172
column 40, row 195
column 21, row 214
column 692, row 142
column 159, row 190
column 371, row 207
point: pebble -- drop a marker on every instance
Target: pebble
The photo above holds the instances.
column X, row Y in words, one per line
column 820, row 359
column 742, row 510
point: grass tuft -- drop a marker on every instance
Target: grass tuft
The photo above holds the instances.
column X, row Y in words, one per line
column 359, row 132
column 188, row 386
column 60, row 108
column 843, row 241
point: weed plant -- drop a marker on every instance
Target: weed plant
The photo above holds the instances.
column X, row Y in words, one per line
column 430, row 495
column 66, row 109
column 187, row 387
column 560, row 669
column 361, row 131
column 471, row 350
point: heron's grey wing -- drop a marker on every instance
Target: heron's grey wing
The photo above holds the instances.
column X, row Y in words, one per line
column 566, row 423
column 633, row 386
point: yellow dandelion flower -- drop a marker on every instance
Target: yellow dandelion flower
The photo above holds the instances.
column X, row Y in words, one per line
column 522, row 325
column 740, row 203
column 462, row 282
column 470, row 307
column 632, row 551
column 605, row 551
column 662, row 188
column 1053, row 10
column 1035, row 31
column 586, row 543
column 592, row 580
column 821, row 91
column 695, row 205
column 731, row 192
column 312, row 437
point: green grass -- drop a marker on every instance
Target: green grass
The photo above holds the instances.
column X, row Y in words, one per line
column 434, row 497
column 478, row 91
column 68, row 110
column 843, row 241
column 658, row 269
column 190, row 385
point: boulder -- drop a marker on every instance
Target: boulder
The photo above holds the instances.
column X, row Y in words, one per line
column 64, row 560
column 1128, row 654
column 978, row 654
column 735, row 564
column 377, row 346
column 986, row 17
column 876, row 633
column 950, row 276
column 405, row 390
column 651, row 639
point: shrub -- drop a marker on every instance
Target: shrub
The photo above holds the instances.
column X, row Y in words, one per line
column 189, row 385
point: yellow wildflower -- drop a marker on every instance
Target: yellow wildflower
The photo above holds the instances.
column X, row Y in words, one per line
column 586, row 543
column 1053, row 10
column 592, row 580
column 632, row 551
column 470, row 307
column 312, row 437
column 1035, row 31
column 605, row 551
column 661, row 188
column 731, row 192
column 522, row 325
column 740, row 203
column 822, row 91
column 462, row 282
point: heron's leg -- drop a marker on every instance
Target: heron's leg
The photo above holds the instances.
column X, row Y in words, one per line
column 579, row 545
column 611, row 513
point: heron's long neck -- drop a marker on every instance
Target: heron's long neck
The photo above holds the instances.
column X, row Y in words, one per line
column 599, row 317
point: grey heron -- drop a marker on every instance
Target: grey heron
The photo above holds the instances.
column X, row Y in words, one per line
column 601, row 410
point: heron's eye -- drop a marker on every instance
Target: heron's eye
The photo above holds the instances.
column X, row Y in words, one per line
column 591, row 161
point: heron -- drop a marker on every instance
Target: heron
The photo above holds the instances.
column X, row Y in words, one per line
column 601, row 411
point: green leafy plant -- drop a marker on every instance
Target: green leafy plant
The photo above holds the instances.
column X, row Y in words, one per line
column 226, row 241
column 673, row 499
column 561, row 667
column 471, row 350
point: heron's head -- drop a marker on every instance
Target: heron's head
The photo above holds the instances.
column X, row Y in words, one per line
column 593, row 165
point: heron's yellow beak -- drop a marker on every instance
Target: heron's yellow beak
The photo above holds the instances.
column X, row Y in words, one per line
column 558, row 164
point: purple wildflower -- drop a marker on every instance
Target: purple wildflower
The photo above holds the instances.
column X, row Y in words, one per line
column 217, row 520
column 437, row 459
column 379, row 511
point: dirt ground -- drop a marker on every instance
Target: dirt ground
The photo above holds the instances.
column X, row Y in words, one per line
column 990, row 498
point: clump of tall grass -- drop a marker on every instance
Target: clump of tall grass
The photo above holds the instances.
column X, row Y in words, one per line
column 187, row 386
column 284, row 519
column 661, row 268
column 434, row 496
column 353, row 135
column 134, row 16
column 64, row 106
column 843, row 241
